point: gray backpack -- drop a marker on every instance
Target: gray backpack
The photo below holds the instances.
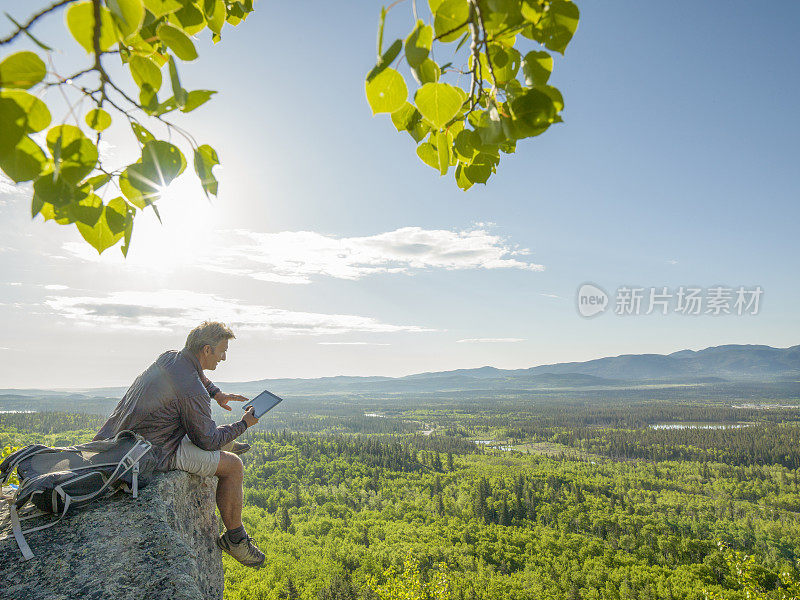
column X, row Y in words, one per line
column 57, row 480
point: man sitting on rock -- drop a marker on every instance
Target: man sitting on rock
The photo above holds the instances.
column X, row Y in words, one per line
column 169, row 404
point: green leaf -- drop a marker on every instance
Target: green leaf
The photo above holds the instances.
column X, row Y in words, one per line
column 87, row 210
column 159, row 8
column 23, row 109
column 166, row 106
column 179, row 94
column 385, row 60
column 462, row 180
column 405, row 117
column 450, row 18
column 145, row 71
column 532, row 10
column 438, row 102
column 80, row 21
column 418, row 44
column 13, row 123
column 25, row 161
column 126, row 244
column 189, row 18
column 505, row 63
column 197, row 98
column 77, row 154
column 163, row 160
column 443, row 152
column 128, row 15
column 139, row 186
column 48, row 188
column 117, row 211
column 481, row 168
column 21, row 70
column 428, row 154
column 532, row 113
column 98, row 181
column 386, row 92
column 408, row 118
column 537, row 67
column 502, row 16
column 100, row 236
column 557, row 25
column 467, row 144
column 177, row 41
column 381, row 23
column 216, row 17
column 427, row 72
column 141, row 133
column 488, row 126
column 205, row 158
column 98, row 119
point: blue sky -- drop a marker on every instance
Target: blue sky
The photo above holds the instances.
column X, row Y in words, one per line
column 676, row 166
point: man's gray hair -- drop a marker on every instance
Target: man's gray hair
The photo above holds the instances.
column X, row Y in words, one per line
column 208, row 333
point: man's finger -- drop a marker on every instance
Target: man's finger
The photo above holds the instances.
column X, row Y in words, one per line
column 226, row 407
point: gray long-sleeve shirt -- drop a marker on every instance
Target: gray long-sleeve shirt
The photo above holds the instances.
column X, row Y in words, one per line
column 172, row 398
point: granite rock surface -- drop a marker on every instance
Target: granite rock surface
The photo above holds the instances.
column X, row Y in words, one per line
column 159, row 545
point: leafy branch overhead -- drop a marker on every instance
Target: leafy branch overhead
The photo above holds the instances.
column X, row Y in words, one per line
column 71, row 184
column 488, row 95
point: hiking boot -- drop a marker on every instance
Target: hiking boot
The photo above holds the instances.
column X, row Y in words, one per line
column 239, row 447
column 246, row 552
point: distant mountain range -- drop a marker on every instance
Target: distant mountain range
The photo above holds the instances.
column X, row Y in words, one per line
column 720, row 364
column 712, row 365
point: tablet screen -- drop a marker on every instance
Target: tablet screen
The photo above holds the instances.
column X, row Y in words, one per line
column 262, row 403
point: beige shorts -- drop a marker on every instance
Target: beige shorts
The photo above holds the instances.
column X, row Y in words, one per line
column 196, row 460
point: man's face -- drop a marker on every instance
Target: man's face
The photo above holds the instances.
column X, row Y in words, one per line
column 211, row 357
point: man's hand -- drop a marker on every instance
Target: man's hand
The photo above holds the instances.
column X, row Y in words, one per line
column 223, row 399
column 249, row 417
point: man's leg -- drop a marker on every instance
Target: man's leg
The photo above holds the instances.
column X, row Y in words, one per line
column 230, row 473
column 229, row 489
column 235, row 540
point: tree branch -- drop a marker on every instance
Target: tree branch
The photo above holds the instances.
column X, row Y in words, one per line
column 485, row 43
column 22, row 28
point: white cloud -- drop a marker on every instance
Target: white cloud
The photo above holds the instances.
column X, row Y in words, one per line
column 550, row 295
column 351, row 344
column 56, row 286
column 10, row 190
column 177, row 309
column 672, row 261
column 15, row 283
column 297, row 256
column 489, row 340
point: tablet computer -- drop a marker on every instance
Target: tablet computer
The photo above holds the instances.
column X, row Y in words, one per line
column 263, row 403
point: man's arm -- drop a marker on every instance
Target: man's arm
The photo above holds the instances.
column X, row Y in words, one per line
column 210, row 387
column 221, row 398
column 195, row 415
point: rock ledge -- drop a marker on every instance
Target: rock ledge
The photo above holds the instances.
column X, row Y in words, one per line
column 158, row 546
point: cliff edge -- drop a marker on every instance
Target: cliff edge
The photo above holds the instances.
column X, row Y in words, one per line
column 160, row 545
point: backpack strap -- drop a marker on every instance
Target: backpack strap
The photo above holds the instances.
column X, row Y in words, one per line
column 16, row 527
column 27, row 553
column 10, row 465
column 129, row 462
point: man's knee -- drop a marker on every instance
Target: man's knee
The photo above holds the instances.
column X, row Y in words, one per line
column 230, row 465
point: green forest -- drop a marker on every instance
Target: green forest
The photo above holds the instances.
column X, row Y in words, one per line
column 511, row 501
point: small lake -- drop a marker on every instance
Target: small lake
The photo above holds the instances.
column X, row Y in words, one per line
column 700, row 425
